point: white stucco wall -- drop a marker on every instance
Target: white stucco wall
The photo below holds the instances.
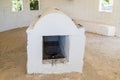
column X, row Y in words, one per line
column 76, row 9
column 11, row 20
column 99, row 28
column 76, row 54
column 118, row 30
column 55, row 24
column 86, row 10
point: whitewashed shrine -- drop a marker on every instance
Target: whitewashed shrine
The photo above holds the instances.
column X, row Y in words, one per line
column 55, row 44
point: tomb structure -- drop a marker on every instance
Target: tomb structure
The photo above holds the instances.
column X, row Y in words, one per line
column 55, row 44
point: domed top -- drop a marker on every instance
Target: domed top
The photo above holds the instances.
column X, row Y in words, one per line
column 53, row 22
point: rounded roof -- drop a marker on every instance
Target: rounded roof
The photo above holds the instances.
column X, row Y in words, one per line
column 53, row 22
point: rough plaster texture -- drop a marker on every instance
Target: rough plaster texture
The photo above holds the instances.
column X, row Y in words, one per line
column 55, row 24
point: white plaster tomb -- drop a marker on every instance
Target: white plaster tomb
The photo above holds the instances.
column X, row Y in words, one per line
column 55, row 44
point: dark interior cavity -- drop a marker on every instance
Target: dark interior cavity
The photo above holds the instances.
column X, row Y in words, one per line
column 53, row 47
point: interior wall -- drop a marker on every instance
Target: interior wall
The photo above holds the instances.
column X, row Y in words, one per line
column 76, row 9
column 86, row 10
column 10, row 20
column 51, row 38
column 117, row 9
column 64, row 46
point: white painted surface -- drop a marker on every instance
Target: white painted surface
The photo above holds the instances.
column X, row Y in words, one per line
column 55, row 24
column 64, row 45
column 86, row 10
column 118, row 30
column 11, row 20
column 99, row 28
column 76, row 9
